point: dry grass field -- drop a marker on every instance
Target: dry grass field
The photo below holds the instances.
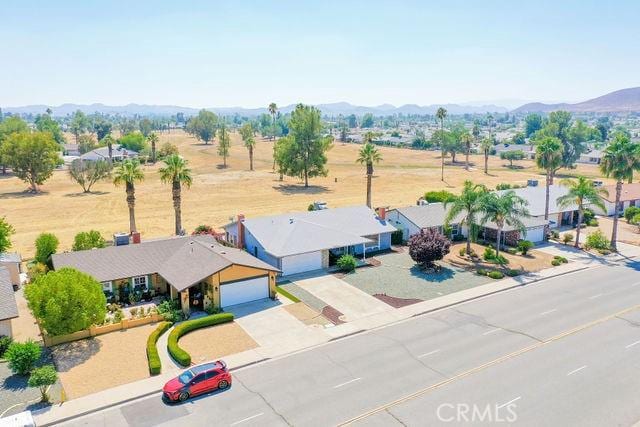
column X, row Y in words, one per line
column 218, row 194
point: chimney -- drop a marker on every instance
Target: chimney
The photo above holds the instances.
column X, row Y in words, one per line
column 135, row 237
column 382, row 213
column 240, row 241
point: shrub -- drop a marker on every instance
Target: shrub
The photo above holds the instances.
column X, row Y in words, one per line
column 482, row 272
column 22, row 357
column 630, row 212
column 133, row 311
column 555, row 262
column 555, row 234
column 5, row 342
column 42, row 378
column 489, row 254
column 66, row 301
column 311, row 207
column 118, row 316
column 439, row 196
column 88, row 240
column 170, row 311
column 562, row 259
column 462, row 251
column 511, row 251
column 512, row 272
column 36, row 269
column 167, row 149
column 593, row 223
column 203, row 229
column 524, row 246
column 588, row 215
column 46, row 245
column 134, row 141
column 396, row 237
column 500, row 260
column 347, row 263
column 567, row 238
column 181, row 356
column 428, row 246
column 597, row 240
column 155, row 366
column 282, row 291
column 495, row 275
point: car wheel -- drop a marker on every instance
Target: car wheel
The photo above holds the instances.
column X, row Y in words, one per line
column 183, row 396
column 223, row 384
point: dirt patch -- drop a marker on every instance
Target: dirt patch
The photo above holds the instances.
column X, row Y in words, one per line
column 306, row 314
column 217, row 341
column 95, row 364
column 533, row 261
column 333, row 315
column 396, row 302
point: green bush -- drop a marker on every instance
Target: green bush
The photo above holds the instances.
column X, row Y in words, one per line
column 347, row 263
column 597, row 240
column 630, row 212
column 588, row 215
column 22, row 357
column 495, row 275
column 567, row 238
column 555, row 234
column 525, row 246
column 170, row 311
column 562, row 259
column 181, row 356
column 42, row 378
column 439, row 196
column 482, row 272
column 462, row 251
column 593, row 223
column 46, row 245
column 281, row 291
column 396, row 237
column 152, row 351
column 512, row 272
column 555, row 262
column 511, row 251
column 5, row 342
column 489, row 254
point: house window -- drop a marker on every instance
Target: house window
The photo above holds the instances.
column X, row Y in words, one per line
column 140, row 281
column 374, row 244
column 454, row 229
column 106, row 286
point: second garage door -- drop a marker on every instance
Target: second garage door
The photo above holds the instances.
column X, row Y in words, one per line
column 244, row 291
column 301, row 263
column 535, row 235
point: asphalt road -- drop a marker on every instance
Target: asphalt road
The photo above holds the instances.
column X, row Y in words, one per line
column 565, row 351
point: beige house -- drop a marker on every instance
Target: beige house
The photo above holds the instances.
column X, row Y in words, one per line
column 196, row 270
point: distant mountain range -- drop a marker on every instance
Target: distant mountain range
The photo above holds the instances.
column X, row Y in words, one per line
column 332, row 109
column 624, row 100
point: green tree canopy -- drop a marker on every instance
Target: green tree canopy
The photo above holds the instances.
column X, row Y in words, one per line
column 43, row 377
column 87, row 173
column 511, row 156
column 44, row 123
column 32, row 156
column 203, row 126
column 46, row 245
column 6, row 230
column 367, row 121
column 79, row 124
column 224, row 143
column 88, row 240
column 66, row 301
column 532, row 123
column 134, row 141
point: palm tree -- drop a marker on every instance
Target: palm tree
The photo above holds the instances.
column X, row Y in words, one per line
column 176, row 172
column 549, row 158
column 580, row 192
column 109, row 141
column 129, row 172
column 504, row 208
column 246, row 131
column 440, row 115
column 466, row 139
column 619, row 161
column 369, row 155
column 486, row 145
column 153, row 139
column 469, row 203
column 224, row 143
column 273, row 109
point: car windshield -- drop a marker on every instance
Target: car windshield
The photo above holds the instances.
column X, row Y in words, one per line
column 185, row 377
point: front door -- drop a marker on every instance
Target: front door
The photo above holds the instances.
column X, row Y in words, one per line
column 196, row 297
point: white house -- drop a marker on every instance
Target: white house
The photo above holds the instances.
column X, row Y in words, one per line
column 630, row 196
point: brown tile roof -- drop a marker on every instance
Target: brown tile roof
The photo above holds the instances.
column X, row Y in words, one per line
column 629, row 192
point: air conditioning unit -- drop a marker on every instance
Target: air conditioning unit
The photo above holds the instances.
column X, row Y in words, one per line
column 120, row 239
column 422, row 202
column 532, row 183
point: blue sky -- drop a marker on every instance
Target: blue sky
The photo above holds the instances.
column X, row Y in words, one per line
column 205, row 54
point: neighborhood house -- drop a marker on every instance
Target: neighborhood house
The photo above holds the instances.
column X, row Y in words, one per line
column 118, row 154
column 8, row 306
column 12, row 261
column 629, row 196
column 305, row 241
column 197, row 269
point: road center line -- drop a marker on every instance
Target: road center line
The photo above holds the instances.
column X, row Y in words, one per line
column 348, row 382
column 509, row 402
column 428, row 354
column 577, row 370
column 247, row 419
column 491, row 331
column 632, row 344
column 548, row 311
column 595, row 296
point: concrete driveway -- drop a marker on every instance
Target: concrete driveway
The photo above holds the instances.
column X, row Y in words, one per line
column 350, row 301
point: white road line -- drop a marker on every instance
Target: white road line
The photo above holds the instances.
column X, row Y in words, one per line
column 548, row 311
column 632, row 344
column 577, row 370
column 509, row 402
column 348, row 382
column 428, row 354
column 491, row 331
column 595, row 296
column 247, row 419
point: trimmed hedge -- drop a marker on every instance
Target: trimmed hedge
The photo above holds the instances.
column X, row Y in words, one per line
column 152, row 351
column 181, row 356
column 495, row 275
column 286, row 294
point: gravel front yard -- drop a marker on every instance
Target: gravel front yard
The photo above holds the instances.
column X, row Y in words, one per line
column 534, row 261
column 94, row 364
column 216, row 342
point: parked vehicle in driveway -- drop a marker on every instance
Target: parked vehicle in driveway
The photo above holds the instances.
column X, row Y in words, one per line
column 197, row 380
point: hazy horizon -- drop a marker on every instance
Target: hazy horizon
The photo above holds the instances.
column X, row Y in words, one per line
column 223, row 54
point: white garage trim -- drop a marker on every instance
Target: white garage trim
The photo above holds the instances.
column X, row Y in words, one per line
column 241, row 291
column 301, row 263
column 535, row 235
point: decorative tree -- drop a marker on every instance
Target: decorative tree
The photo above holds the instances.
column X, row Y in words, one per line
column 88, row 240
column 246, row 131
column 86, row 173
column 6, row 230
column 46, row 245
column 43, row 378
column 428, row 246
column 581, row 192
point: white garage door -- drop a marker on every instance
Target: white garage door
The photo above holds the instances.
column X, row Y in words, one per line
column 244, row 291
column 535, row 235
column 300, row 263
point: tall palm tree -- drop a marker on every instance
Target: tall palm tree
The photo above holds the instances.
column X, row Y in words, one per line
column 619, row 161
column 246, row 131
column 176, row 172
column 470, row 203
column 273, row 109
column 466, row 139
column 486, row 146
column 549, row 158
column 369, row 155
column 441, row 114
column 581, row 192
column 504, row 208
column 128, row 173
column 153, row 139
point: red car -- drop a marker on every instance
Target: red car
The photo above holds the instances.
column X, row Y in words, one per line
column 197, row 380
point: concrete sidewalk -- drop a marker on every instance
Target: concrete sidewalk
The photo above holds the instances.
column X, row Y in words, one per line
column 291, row 343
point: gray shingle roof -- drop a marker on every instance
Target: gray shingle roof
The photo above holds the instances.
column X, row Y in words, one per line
column 102, row 153
column 8, row 306
column 536, row 197
column 168, row 257
column 303, row 232
column 10, row 257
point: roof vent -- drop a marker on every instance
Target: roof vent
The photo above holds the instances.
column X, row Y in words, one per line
column 290, row 220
